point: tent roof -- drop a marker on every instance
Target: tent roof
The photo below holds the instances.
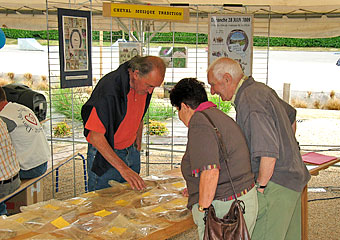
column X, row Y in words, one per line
column 289, row 18
column 275, row 3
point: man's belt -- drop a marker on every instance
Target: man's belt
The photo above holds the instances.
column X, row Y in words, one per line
column 10, row 180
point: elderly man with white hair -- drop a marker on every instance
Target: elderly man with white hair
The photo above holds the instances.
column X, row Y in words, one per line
column 269, row 126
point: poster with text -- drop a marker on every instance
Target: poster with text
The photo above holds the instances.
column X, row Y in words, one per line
column 232, row 36
column 128, row 50
column 74, row 48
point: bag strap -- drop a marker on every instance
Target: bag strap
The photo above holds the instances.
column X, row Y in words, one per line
column 223, row 149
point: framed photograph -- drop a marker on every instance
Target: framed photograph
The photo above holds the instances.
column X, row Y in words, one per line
column 74, row 48
column 232, row 36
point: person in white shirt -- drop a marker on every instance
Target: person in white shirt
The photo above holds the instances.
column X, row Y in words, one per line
column 28, row 137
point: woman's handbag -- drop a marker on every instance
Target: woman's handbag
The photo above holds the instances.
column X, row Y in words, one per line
column 232, row 226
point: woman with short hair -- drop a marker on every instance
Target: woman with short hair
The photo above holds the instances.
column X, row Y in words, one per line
column 203, row 166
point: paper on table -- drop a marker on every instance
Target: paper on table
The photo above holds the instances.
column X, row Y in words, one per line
column 316, row 158
column 310, row 167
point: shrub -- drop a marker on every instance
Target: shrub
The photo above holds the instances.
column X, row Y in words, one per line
column 332, row 94
column 298, row 103
column 28, row 76
column 10, row 75
column 157, row 128
column 317, row 104
column 28, row 80
column 182, row 37
column 62, row 129
column 43, row 86
column 4, row 82
column 332, row 104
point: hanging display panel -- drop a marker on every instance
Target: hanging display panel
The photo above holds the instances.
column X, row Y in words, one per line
column 128, row 50
column 74, row 48
column 232, row 36
column 176, row 57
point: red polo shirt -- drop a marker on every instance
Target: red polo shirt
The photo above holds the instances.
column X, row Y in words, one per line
column 127, row 130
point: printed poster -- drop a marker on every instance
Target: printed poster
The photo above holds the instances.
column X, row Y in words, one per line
column 232, row 36
column 128, row 50
column 75, row 48
column 174, row 57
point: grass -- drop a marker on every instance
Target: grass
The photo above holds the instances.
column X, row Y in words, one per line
column 159, row 111
column 62, row 102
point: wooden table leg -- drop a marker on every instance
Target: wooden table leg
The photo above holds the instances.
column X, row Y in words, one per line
column 304, row 214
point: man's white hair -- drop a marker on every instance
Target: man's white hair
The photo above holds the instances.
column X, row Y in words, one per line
column 222, row 66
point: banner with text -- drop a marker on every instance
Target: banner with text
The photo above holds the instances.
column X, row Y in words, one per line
column 145, row 12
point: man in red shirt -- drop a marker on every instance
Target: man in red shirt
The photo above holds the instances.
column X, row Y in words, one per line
column 113, row 121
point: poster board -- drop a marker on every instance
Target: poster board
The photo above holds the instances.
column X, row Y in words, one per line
column 174, row 57
column 74, row 48
column 128, row 50
column 232, row 36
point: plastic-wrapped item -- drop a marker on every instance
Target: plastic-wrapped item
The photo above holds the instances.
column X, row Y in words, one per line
column 48, row 208
column 124, row 228
column 79, row 226
column 116, row 187
column 33, row 220
column 83, row 205
column 72, row 232
column 118, row 228
column 158, row 190
column 175, row 186
column 145, row 224
column 10, row 228
column 174, row 210
column 59, row 222
column 44, row 236
column 161, row 180
column 117, row 212
column 78, row 201
column 130, row 199
column 95, row 220
column 156, row 196
column 111, row 197
column 124, row 187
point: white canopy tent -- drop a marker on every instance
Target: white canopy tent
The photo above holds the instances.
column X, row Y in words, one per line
column 288, row 18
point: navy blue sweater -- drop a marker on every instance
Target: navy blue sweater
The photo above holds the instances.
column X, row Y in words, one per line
column 110, row 100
